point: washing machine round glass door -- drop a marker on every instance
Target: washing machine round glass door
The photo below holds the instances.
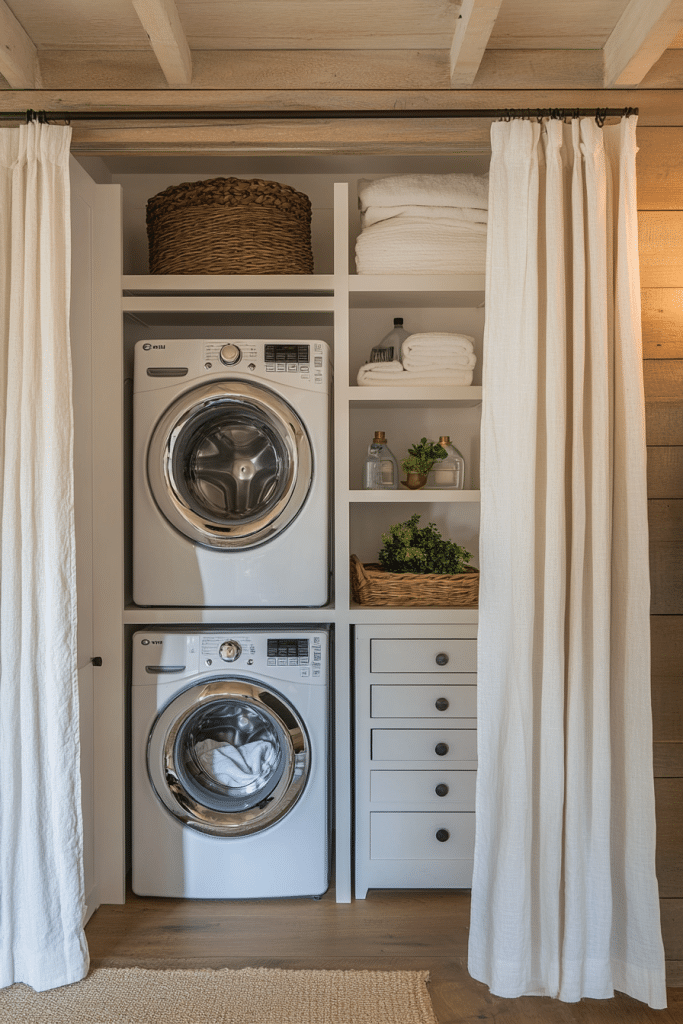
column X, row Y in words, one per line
column 228, row 757
column 230, row 464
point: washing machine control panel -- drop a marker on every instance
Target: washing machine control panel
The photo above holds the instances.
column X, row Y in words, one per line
column 230, row 650
column 295, row 656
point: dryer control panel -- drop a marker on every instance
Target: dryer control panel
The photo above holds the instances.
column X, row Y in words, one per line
column 297, row 363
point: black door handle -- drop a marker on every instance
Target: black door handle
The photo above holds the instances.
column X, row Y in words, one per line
column 441, row 789
column 443, row 835
column 442, row 659
column 441, row 749
column 441, row 704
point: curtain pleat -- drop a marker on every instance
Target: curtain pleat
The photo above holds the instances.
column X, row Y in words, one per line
column 564, row 896
column 42, row 942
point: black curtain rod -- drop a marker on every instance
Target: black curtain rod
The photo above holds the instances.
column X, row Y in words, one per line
column 509, row 114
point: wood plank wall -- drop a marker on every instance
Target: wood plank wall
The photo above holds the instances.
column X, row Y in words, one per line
column 660, row 204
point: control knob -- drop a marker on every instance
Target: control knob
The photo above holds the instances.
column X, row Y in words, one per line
column 230, row 354
column 230, row 650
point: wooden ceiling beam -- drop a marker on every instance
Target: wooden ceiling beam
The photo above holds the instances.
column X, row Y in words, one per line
column 18, row 56
column 472, row 32
column 639, row 39
column 161, row 22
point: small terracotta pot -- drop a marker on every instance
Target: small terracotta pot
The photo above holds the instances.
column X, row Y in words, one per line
column 416, row 480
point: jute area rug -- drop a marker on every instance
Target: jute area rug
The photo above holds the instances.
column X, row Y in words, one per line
column 253, row 995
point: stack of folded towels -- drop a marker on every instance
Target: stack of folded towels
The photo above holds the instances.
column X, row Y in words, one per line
column 432, row 359
column 423, row 224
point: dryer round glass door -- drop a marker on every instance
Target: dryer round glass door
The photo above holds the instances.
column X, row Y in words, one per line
column 228, row 757
column 230, row 464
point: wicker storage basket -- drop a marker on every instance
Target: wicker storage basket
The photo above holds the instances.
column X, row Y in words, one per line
column 229, row 226
column 372, row 585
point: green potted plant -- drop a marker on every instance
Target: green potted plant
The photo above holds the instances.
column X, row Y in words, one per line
column 408, row 547
column 416, row 568
column 421, row 457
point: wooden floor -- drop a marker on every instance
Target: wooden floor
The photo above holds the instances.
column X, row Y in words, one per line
column 390, row 930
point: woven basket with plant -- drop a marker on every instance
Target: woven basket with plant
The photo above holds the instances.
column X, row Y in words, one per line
column 417, row 568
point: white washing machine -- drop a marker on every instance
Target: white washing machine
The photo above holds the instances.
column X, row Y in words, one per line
column 230, row 473
column 230, row 763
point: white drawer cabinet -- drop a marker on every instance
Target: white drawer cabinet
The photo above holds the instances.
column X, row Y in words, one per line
column 425, row 655
column 449, row 790
column 404, row 700
column 445, row 746
column 415, row 757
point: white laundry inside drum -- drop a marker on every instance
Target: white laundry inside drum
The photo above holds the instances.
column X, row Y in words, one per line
column 230, row 755
column 237, row 767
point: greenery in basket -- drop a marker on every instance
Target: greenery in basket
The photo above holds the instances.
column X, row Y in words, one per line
column 422, row 456
column 408, row 547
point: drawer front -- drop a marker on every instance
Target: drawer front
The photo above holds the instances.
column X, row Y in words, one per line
column 417, row 835
column 447, row 701
column 422, row 744
column 423, row 655
column 456, row 789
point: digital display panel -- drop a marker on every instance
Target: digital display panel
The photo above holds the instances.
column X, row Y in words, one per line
column 287, row 353
column 291, row 647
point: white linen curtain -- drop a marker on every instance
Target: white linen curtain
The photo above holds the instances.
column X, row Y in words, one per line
column 42, row 942
column 564, row 896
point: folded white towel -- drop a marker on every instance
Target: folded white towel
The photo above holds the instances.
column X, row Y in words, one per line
column 375, row 214
column 470, row 190
column 236, row 766
column 410, row 245
column 448, row 378
column 391, row 366
column 438, row 362
column 436, row 351
column 437, row 341
column 380, row 371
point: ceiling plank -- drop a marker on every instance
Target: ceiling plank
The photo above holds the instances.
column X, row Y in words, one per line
column 639, row 39
column 472, row 32
column 18, row 56
column 337, row 69
column 161, row 22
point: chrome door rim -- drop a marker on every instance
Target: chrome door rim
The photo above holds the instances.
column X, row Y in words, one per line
column 284, row 424
column 165, row 777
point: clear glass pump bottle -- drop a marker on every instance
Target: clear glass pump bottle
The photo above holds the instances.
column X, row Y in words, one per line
column 449, row 473
column 380, row 471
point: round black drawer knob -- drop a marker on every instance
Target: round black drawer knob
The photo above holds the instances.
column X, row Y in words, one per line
column 442, row 659
column 441, row 789
column 441, row 704
column 441, row 749
column 443, row 835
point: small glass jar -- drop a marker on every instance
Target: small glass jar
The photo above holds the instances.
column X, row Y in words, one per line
column 448, row 473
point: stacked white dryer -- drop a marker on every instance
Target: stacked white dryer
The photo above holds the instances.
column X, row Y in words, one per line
column 230, row 724
column 230, row 473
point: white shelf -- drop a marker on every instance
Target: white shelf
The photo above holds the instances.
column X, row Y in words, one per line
column 387, row 397
column 244, row 301
column 226, row 284
column 134, row 615
column 364, row 615
column 422, row 494
column 407, row 290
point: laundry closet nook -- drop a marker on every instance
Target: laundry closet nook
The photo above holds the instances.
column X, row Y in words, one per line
column 347, row 314
column 375, row 799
